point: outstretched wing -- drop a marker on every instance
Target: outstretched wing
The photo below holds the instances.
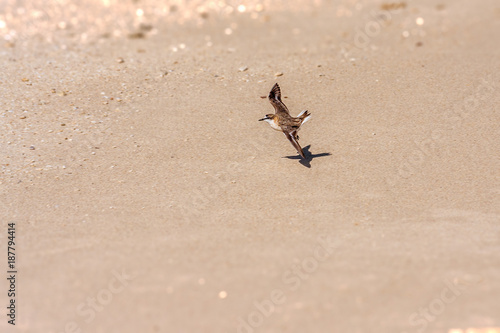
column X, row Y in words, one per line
column 275, row 99
column 291, row 138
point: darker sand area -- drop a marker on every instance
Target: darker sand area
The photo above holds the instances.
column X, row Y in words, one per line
column 148, row 198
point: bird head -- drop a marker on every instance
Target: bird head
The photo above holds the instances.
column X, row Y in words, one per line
column 267, row 117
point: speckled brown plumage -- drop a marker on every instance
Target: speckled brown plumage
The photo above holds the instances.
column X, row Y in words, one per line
column 282, row 120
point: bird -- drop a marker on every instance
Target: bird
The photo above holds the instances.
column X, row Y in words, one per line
column 281, row 120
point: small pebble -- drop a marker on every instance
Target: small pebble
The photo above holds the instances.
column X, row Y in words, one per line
column 243, row 68
column 136, row 35
column 120, row 60
column 145, row 27
column 278, row 74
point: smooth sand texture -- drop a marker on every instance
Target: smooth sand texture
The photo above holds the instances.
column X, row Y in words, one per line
column 148, row 198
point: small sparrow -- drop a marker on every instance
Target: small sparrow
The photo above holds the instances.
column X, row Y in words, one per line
column 282, row 121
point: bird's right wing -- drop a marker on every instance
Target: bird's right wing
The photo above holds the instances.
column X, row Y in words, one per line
column 275, row 99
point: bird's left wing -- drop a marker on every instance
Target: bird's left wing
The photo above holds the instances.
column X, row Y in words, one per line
column 291, row 137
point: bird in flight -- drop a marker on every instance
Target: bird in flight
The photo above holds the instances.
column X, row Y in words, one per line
column 282, row 121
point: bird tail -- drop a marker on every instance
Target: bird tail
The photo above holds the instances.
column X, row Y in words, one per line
column 305, row 116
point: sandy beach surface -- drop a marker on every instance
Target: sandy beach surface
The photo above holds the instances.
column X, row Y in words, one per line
column 146, row 196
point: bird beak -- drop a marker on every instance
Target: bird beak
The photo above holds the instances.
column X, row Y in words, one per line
column 262, row 119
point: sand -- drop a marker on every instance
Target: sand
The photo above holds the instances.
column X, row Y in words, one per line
column 148, row 198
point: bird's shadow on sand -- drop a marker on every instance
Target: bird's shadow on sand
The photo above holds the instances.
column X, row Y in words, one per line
column 309, row 156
